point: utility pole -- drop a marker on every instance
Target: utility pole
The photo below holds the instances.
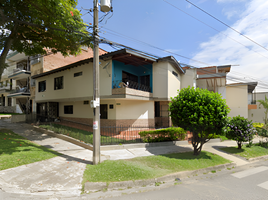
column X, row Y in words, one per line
column 96, row 92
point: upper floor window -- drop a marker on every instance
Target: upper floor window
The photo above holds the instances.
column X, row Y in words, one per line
column 42, row 86
column 58, row 83
column 78, row 74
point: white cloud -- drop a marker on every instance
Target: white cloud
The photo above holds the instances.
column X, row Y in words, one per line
column 220, row 50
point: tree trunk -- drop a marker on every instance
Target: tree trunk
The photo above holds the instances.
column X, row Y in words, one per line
column 239, row 144
column 197, row 143
column 7, row 46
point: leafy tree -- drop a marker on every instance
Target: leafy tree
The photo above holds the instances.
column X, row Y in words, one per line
column 241, row 130
column 264, row 103
column 33, row 27
column 200, row 111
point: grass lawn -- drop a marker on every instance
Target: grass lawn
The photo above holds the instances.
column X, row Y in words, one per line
column 150, row 166
column 246, row 152
column 11, row 114
column 85, row 136
column 16, row 150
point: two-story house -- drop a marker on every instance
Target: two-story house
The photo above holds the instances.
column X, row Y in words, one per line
column 135, row 89
column 240, row 97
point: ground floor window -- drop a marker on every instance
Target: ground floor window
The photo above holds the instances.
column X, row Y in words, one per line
column 68, row 109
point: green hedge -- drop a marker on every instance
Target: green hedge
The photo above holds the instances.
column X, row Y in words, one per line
column 160, row 135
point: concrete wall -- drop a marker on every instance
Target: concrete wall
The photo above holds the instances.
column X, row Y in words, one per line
column 128, row 109
column 18, row 118
column 189, row 78
column 237, row 100
column 257, row 115
column 7, row 109
column 222, row 91
column 74, row 87
column 160, row 79
column 174, row 82
column 123, row 113
column 165, row 84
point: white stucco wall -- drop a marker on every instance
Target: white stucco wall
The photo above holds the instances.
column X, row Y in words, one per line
column 75, row 87
column 222, row 91
column 129, row 109
column 189, row 78
column 81, row 110
column 174, row 82
column 160, row 79
column 237, row 100
column 257, row 115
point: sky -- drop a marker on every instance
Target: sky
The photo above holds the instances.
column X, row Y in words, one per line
column 177, row 28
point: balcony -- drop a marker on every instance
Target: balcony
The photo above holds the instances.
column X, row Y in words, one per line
column 131, row 88
column 20, row 93
column 252, row 105
column 5, row 88
column 19, row 73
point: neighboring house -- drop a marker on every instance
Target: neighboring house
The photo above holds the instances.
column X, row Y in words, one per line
column 17, row 89
column 240, row 97
column 257, row 115
column 135, row 89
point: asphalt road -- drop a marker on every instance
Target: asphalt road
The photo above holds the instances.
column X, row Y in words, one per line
column 245, row 182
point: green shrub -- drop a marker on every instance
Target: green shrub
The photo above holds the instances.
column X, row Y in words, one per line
column 240, row 130
column 160, row 135
column 201, row 112
column 258, row 125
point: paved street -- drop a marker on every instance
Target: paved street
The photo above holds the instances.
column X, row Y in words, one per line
column 245, row 182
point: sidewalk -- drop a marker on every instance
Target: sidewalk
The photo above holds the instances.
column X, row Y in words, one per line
column 62, row 175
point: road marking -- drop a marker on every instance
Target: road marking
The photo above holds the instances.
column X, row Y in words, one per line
column 264, row 185
column 250, row 172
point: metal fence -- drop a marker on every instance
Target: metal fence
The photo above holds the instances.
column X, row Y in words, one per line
column 110, row 135
column 131, row 84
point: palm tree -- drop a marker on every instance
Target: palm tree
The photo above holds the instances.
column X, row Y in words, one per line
column 264, row 103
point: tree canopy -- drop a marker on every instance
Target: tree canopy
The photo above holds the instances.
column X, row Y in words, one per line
column 201, row 112
column 33, row 27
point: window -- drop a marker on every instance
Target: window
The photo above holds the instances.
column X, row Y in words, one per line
column 42, row 86
column 58, row 83
column 86, row 102
column 175, row 73
column 78, row 74
column 104, row 111
column 68, row 109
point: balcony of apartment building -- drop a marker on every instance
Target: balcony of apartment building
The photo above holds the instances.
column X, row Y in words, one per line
column 6, row 87
column 22, row 70
column 132, row 80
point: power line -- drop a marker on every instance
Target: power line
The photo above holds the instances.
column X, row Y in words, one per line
column 231, row 79
column 227, row 25
column 214, row 29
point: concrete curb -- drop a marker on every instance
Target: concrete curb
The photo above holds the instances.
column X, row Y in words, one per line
column 257, row 158
column 96, row 186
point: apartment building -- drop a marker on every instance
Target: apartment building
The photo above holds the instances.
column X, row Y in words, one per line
column 17, row 88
